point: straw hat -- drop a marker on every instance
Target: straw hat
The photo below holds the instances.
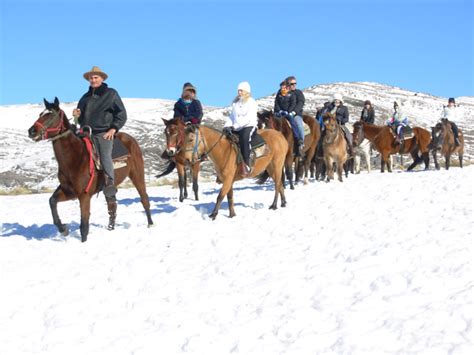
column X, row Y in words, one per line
column 95, row 71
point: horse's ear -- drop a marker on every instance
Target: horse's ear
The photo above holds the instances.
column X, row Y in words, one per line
column 46, row 104
column 56, row 103
column 165, row 121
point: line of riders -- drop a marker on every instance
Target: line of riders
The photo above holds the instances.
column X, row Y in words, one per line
column 101, row 110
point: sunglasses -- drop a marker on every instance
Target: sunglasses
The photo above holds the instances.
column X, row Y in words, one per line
column 292, row 83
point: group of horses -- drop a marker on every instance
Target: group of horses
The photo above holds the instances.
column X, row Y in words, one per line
column 190, row 145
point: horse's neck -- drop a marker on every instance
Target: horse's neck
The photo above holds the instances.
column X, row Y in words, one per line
column 217, row 146
column 371, row 131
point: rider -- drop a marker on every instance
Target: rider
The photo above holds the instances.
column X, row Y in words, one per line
column 101, row 109
column 188, row 108
column 368, row 113
column 450, row 114
column 338, row 108
column 397, row 122
column 243, row 121
column 296, row 116
column 285, row 102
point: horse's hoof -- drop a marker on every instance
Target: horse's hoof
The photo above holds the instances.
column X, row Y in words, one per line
column 64, row 230
column 232, row 215
column 283, row 204
column 111, row 227
column 181, row 199
column 292, row 187
column 83, row 238
column 213, row 216
column 150, row 225
column 273, row 207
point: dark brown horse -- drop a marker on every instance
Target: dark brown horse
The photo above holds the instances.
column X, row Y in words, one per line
column 267, row 119
column 334, row 147
column 443, row 141
column 383, row 140
column 174, row 151
column 74, row 174
column 212, row 143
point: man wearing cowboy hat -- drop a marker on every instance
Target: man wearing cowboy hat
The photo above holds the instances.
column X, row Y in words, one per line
column 101, row 109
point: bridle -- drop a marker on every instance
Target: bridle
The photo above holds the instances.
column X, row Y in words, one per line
column 49, row 126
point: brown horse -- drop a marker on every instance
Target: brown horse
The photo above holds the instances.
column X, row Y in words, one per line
column 443, row 141
column 383, row 140
column 74, row 164
column 267, row 119
column 334, row 147
column 174, row 151
column 207, row 141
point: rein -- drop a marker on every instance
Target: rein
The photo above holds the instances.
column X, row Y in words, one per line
column 196, row 146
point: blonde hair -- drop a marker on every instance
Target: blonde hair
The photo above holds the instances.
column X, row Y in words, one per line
column 245, row 96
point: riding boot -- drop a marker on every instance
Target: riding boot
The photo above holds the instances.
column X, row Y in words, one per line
column 300, row 148
column 112, row 208
column 109, row 189
column 456, row 142
column 244, row 170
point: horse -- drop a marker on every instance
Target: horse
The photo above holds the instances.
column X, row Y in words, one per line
column 267, row 119
column 174, row 143
column 209, row 142
column 362, row 147
column 334, row 147
column 383, row 140
column 78, row 178
column 443, row 141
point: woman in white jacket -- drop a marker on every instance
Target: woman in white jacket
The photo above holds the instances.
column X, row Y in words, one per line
column 243, row 121
column 451, row 114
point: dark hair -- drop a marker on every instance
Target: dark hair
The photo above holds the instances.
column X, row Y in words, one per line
column 284, row 82
column 451, row 99
column 290, row 78
column 367, row 102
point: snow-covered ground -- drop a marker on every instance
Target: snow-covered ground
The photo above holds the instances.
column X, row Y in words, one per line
column 378, row 264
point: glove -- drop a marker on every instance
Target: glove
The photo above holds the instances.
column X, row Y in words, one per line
column 284, row 113
column 278, row 114
column 227, row 131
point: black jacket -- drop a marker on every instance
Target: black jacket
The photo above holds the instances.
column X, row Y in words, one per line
column 285, row 103
column 342, row 113
column 299, row 102
column 369, row 116
column 102, row 109
column 188, row 113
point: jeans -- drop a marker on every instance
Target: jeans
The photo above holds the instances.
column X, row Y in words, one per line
column 104, row 149
column 296, row 123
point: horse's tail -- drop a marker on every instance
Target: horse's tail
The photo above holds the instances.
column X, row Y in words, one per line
column 260, row 179
column 169, row 168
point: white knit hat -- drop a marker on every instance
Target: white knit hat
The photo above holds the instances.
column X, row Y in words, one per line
column 337, row 97
column 245, row 86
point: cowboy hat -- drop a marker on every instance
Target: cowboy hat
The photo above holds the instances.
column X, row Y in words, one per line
column 95, row 71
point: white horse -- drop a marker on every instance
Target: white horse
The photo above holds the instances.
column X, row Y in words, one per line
column 362, row 149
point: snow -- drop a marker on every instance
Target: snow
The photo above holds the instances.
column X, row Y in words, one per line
column 378, row 264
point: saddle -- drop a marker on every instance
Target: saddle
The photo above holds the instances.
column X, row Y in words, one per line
column 258, row 148
column 406, row 133
column 120, row 154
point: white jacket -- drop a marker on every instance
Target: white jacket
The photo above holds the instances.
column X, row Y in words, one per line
column 244, row 114
column 451, row 113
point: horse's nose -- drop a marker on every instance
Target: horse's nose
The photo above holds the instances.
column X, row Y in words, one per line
column 32, row 132
column 171, row 152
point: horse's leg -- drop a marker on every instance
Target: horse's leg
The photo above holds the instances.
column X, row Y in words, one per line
column 339, row 168
column 329, row 169
column 137, row 175
column 435, row 159
column 289, row 174
column 389, row 163
column 383, row 162
column 181, row 169
column 426, row 159
column 196, row 168
column 357, row 163
column 276, row 177
column 230, row 200
column 226, row 186
column 416, row 160
column 112, row 209
column 447, row 158
column 85, row 204
column 367, row 159
column 460, row 156
column 59, row 196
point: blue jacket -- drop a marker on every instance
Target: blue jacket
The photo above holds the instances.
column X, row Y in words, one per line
column 191, row 112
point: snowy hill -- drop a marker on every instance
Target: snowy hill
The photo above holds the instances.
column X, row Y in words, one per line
column 379, row 264
column 32, row 165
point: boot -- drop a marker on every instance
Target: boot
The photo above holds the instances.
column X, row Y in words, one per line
column 109, row 188
column 456, row 142
column 300, row 147
column 397, row 140
column 244, row 170
column 112, row 208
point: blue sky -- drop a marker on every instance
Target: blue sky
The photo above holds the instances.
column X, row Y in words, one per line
column 150, row 48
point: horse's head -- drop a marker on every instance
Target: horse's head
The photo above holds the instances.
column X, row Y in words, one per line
column 357, row 133
column 329, row 121
column 174, row 132
column 438, row 133
column 50, row 123
column 265, row 119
